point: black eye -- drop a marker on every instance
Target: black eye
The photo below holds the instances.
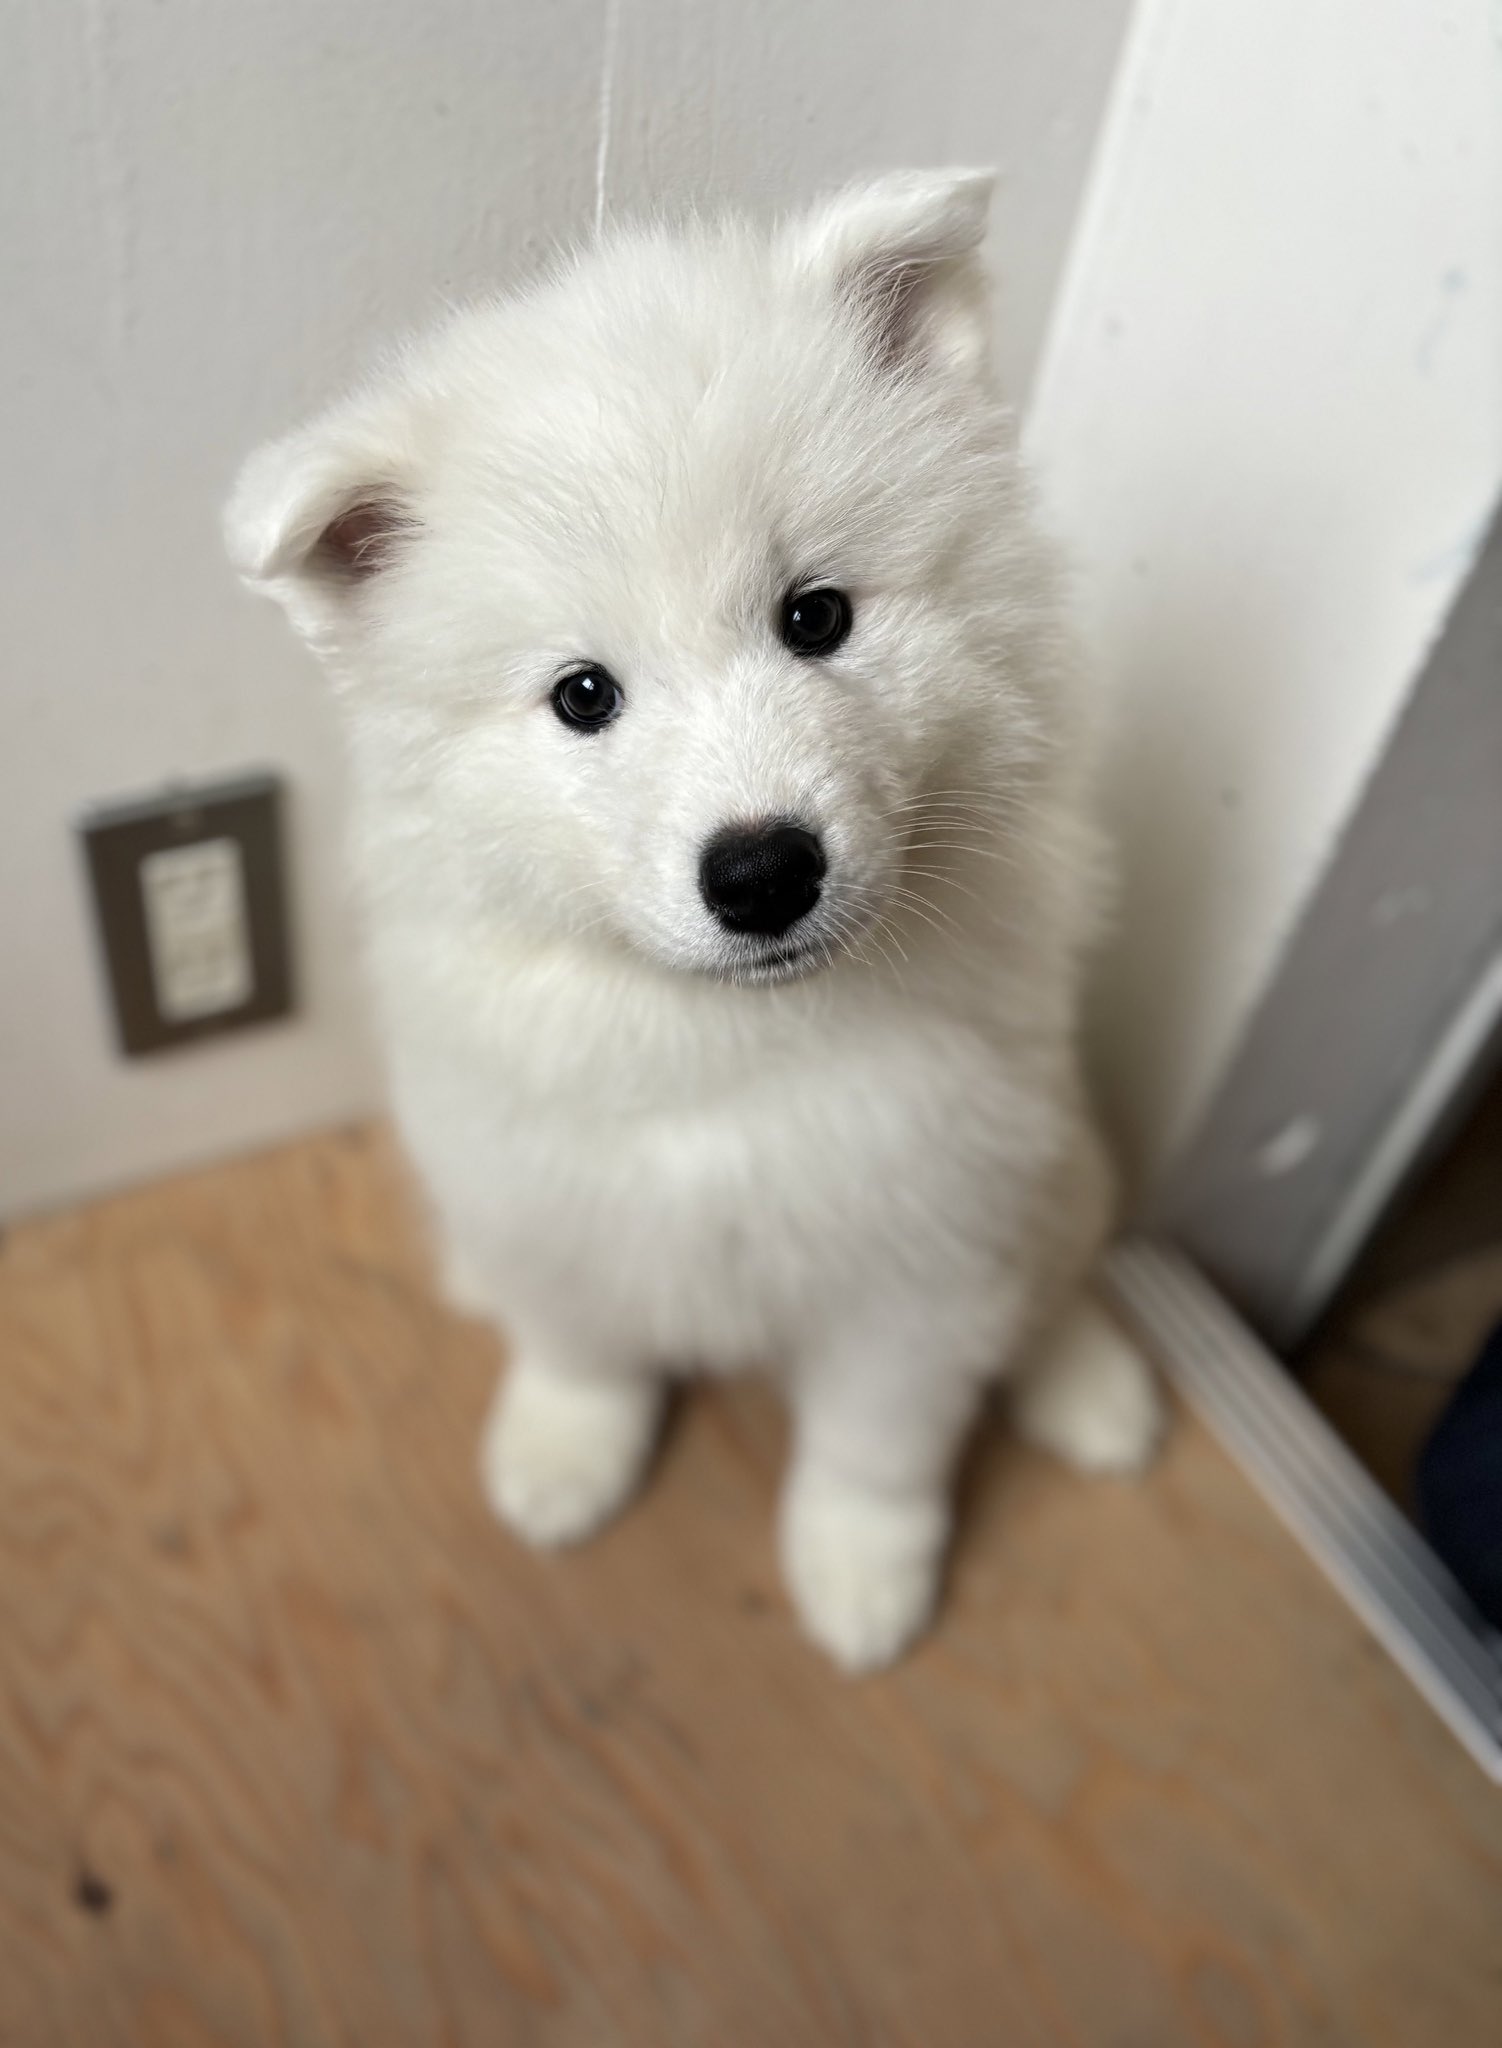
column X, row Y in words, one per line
column 815, row 621
column 588, row 698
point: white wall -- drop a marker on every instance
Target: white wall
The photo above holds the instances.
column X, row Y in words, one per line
column 207, row 213
column 1269, row 421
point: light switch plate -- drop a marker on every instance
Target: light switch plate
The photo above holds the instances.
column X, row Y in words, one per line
column 190, row 910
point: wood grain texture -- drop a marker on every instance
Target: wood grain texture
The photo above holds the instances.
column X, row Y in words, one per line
column 296, row 1747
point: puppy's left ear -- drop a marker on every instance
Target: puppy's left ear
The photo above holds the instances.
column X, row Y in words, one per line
column 902, row 253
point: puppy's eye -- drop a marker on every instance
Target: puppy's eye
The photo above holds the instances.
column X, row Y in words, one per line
column 588, row 698
column 815, row 621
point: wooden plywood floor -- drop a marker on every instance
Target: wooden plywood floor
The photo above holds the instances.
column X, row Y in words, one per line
column 296, row 1747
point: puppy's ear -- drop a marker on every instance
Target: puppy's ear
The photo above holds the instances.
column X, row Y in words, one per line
column 902, row 253
column 325, row 510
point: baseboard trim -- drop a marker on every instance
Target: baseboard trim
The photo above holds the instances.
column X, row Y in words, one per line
column 1326, row 1497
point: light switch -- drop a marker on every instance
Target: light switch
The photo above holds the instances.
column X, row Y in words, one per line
column 189, row 906
column 197, row 929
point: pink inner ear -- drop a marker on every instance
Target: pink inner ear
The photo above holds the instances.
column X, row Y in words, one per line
column 921, row 308
column 360, row 540
column 894, row 300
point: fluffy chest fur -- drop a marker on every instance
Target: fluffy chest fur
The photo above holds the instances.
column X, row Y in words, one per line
column 716, row 1177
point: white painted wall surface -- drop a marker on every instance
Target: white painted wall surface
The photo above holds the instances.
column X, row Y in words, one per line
column 208, row 212
column 1269, row 422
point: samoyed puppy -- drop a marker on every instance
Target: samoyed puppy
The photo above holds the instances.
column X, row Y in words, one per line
column 720, row 817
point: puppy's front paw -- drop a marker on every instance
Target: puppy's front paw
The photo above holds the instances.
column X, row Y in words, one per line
column 559, row 1457
column 1092, row 1399
column 863, row 1567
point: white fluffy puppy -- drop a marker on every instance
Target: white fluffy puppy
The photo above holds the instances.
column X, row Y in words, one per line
column 719, row 811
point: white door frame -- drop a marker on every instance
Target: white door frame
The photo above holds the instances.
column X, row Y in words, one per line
column 1380, row 1022
column 1267, row 424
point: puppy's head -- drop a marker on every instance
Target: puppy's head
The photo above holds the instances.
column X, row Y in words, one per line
column 659, row 594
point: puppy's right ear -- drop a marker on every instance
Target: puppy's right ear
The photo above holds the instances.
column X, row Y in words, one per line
column 326, row 510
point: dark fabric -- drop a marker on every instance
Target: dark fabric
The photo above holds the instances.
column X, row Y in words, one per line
column 1459, row 1482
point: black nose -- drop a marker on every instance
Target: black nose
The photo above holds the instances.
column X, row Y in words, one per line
column 762, row 880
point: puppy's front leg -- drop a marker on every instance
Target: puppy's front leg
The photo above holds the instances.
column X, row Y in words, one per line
column 865, row 1516
column 564, row 1448
column 1088, row 1395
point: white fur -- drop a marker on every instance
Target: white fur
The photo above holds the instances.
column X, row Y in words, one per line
column 648, row 1154
column 1090, row 1398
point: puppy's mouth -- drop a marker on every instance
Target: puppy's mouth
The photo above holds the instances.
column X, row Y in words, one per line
column 781, row 963
column 766, row 963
